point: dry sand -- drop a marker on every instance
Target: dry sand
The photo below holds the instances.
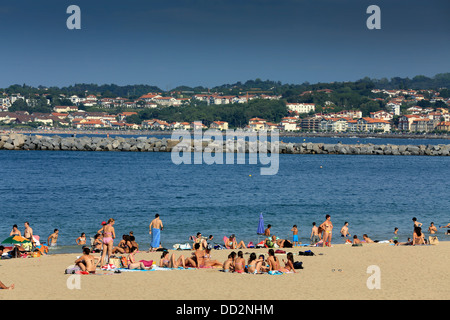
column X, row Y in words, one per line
column 339, row 272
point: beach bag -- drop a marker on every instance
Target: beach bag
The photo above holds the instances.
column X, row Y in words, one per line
column 115, row 262
column 250, row 245
column 298, row 265
column 433, row 240
column 306, row 253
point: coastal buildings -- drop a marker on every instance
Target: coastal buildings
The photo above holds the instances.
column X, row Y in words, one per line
column 301, row 107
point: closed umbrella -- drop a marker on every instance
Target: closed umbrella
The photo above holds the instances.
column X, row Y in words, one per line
column 260, row 225
column 260, row 230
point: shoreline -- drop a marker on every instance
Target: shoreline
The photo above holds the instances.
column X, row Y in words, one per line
column 340, row 272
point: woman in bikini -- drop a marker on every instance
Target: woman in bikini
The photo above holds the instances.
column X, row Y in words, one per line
column 207, row 259
column 108, row 239
column 418, row 236
column 165, row 262
column 81, row 239
column 289, row 264
column 254, row 265
column 98, row 243
column 228, row 265
column 132, row 264
column 239, row 263
column 274, row 263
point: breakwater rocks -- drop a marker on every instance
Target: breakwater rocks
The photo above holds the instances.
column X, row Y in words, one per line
column 15, row 141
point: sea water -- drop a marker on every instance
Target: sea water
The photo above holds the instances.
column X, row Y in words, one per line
column 75, row 191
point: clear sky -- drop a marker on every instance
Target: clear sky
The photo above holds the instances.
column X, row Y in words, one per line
column 212, row 42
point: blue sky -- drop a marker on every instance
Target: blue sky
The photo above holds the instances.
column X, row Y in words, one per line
column 211, row 42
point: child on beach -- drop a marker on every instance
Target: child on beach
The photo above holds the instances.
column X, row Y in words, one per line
column 295, row 236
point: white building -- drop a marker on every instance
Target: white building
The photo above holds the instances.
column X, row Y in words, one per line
column 301, row 107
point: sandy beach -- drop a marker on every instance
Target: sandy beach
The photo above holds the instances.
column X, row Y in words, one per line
column 339, row 272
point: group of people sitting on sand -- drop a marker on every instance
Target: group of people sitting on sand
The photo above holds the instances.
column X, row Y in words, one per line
column 237, row 263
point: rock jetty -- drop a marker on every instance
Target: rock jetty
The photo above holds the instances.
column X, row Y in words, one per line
column 16, row 141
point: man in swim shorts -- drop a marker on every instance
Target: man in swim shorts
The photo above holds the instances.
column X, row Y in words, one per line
column 155, row 228
column 295, row 235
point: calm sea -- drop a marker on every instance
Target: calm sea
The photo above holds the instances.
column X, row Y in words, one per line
column 75, row 191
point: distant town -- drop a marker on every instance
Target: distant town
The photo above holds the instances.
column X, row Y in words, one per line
column 400, row 110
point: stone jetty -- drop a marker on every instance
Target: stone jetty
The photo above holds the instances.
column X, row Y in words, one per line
column 14, row 141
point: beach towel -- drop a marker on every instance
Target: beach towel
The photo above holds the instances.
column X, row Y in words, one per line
column 274, row 272
column 156, row 238
column 155, row 268
column 147, row 264
column 179, row 246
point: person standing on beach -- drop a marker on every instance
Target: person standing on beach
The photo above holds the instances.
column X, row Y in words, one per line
column 314, row 234
column 155, row 228
column 327, row 227
column 108, row 240
column 295, row 235
column 53, row 238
